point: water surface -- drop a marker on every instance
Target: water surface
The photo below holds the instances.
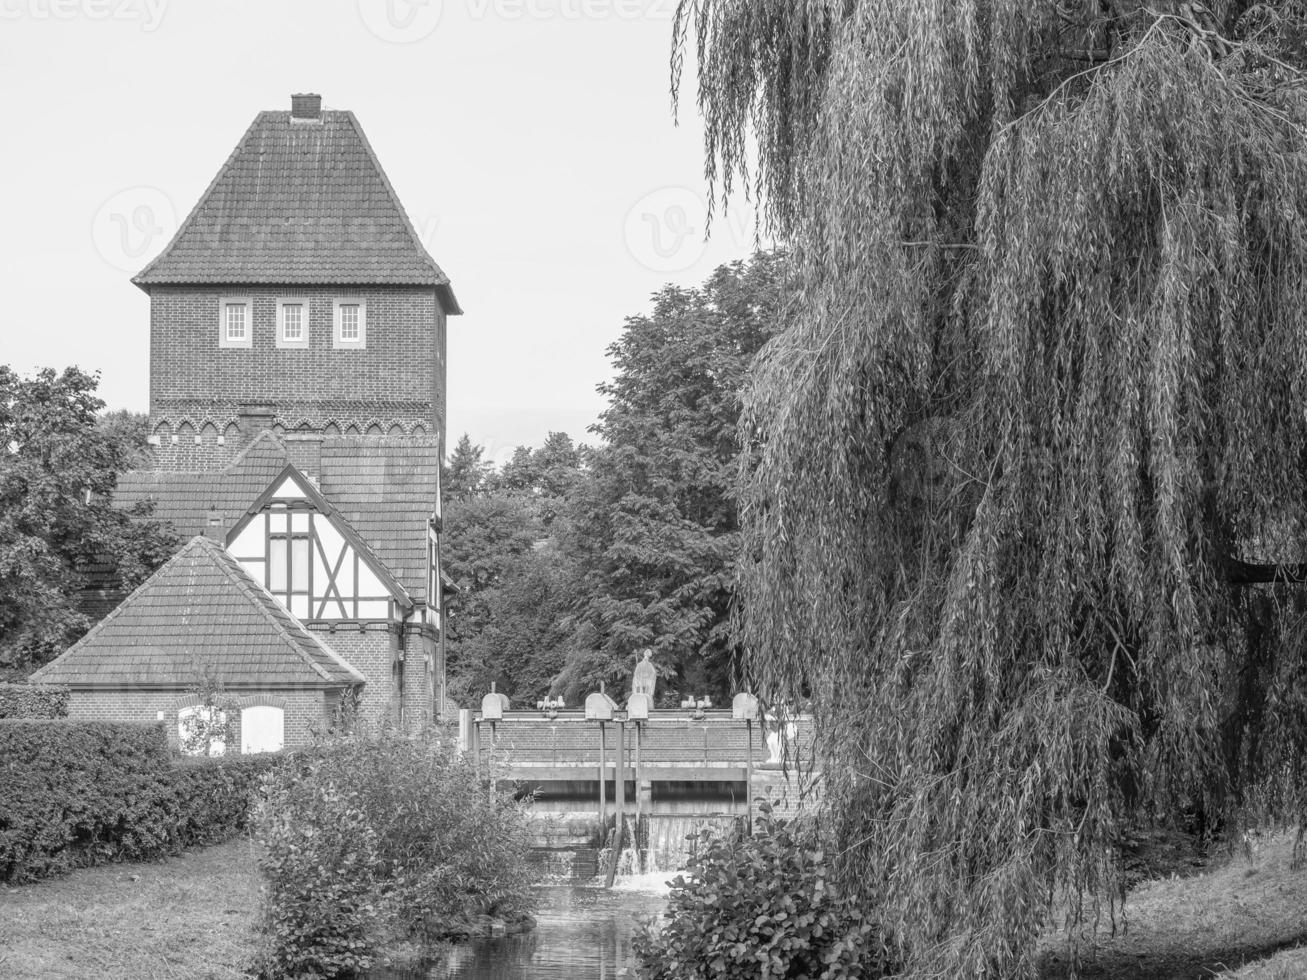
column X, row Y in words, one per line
column 581, row 933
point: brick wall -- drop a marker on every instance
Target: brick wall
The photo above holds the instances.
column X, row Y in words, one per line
column 419, row 682
column 373, row 652
column 306, row 711
column 397, row 381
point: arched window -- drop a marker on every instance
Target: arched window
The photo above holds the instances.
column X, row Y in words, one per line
column 202, row 730
column 263, row 729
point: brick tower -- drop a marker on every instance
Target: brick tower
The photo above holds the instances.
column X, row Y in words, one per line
column 296, row 296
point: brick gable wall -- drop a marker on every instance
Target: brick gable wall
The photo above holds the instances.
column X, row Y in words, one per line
column 372, row 651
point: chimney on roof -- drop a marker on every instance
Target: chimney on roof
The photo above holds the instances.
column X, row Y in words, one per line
column 253, row 417
column 306, row 106
column 213, row 529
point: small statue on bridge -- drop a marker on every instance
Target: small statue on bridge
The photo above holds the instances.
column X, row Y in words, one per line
column 645, row 676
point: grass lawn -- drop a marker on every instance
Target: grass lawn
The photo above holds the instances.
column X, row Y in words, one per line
column 192, row 917
column 1208, row 925
column 188, row 917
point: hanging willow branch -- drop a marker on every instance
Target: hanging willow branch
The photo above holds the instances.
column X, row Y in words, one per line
column 1040, row 423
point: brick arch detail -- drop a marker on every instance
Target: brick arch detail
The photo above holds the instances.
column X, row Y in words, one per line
column 263, row 701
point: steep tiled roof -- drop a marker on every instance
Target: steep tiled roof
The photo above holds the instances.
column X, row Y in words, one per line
column 185, row 499
column 304, row 202
column 385, row 486
column 199, row 609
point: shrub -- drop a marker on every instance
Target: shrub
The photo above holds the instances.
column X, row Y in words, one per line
column 377, row 840
column 214, row 797
column 760, row 906
column 33, row 701
column 79, row 793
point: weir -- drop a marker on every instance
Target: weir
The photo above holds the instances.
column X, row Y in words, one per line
column 626, row 791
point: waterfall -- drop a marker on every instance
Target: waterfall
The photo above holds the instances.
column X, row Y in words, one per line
column 664, row 842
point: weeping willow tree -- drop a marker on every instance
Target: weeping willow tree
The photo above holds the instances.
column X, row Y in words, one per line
column 1025, row 497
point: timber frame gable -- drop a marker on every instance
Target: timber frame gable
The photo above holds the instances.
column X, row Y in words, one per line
column 303, row 550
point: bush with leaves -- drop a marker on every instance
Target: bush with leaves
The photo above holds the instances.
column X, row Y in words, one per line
column 378, row 840
column 33, row 701
column 761, row 906
column 76, row 793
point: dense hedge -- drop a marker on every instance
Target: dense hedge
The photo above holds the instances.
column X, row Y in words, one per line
column 78, row 793
column 33, row 701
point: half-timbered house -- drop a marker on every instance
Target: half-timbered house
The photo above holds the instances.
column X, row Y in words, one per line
column 297, row 413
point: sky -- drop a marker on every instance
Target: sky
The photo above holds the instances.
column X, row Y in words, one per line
column 532, row 143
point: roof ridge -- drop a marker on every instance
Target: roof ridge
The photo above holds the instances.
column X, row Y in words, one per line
column 247, row 583
column 239, row 458
column 263, row 435
column 99, row 627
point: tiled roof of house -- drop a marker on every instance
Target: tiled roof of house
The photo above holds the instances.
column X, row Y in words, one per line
column 186, row 499
column 383, row 486
column 201, row 609
column 301, row 201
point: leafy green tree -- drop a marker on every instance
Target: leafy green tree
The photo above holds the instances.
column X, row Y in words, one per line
column 131, row 430
column 58, row 469
column 466, row 473
column 1026, row 474
column 485, row 538
column 530, row 631
column 654, row 525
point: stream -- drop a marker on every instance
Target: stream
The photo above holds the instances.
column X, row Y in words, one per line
column 582, row 933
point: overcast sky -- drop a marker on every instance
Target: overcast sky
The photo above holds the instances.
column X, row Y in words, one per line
column 531, row 141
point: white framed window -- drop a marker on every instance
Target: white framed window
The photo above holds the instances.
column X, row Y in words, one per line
column 263, row 729
column 293, row 322
column 350, row 330
column 202, row 730
column 235, row 322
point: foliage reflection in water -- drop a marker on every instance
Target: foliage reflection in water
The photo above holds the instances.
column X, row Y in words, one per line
column 581, row 934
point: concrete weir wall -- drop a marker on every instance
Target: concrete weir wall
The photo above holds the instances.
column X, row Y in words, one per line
column 670, row 775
